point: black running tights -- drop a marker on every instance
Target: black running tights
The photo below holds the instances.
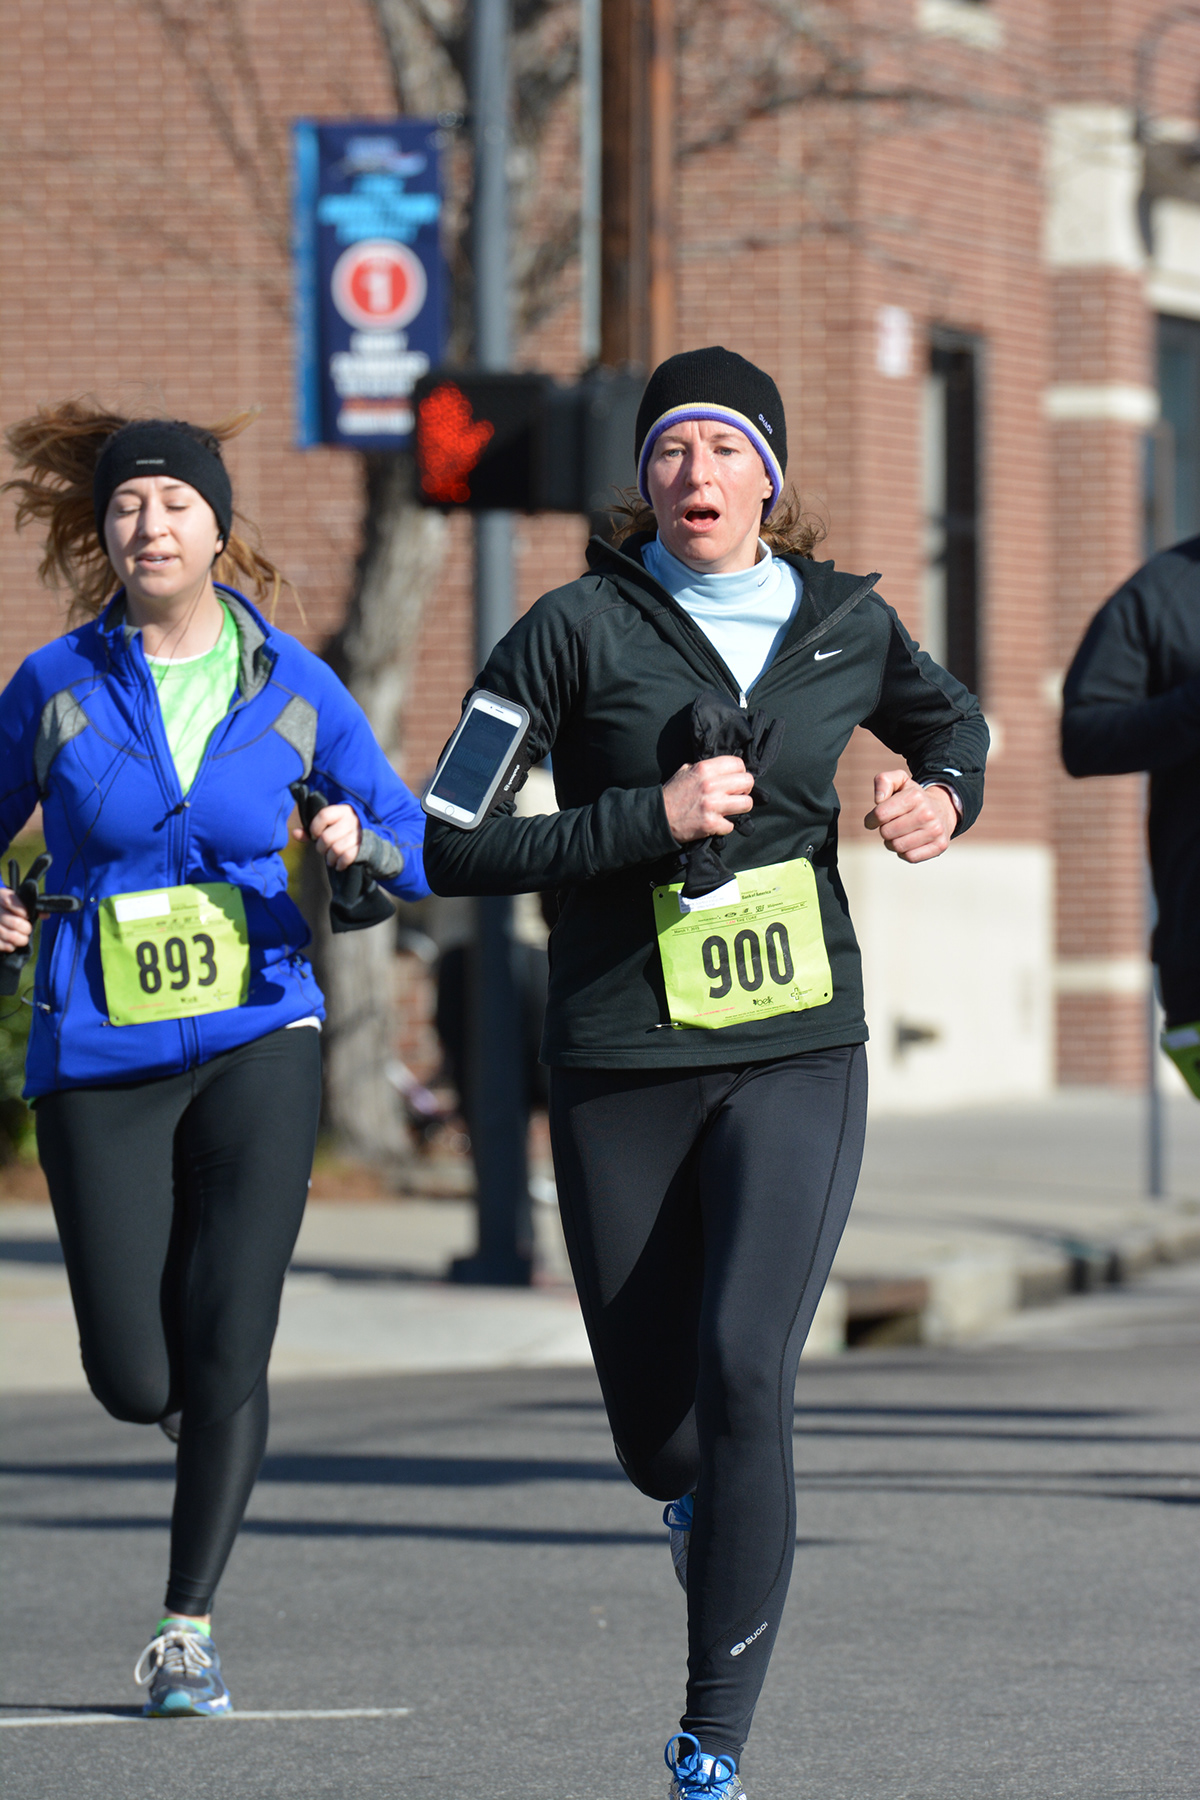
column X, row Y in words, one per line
column 702, row 1209
column 178, row 1202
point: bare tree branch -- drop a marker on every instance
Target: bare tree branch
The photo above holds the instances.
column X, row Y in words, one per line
column 255, row 152
column 778, row 55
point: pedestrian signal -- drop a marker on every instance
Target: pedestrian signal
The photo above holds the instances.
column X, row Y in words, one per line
column 476, row 440
column 453, row 441
column 520, row 443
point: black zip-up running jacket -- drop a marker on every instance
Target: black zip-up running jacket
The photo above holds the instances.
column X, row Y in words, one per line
column 1131, row 701
column 608, row 668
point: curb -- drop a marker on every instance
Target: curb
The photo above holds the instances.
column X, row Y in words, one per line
column 962, row 1296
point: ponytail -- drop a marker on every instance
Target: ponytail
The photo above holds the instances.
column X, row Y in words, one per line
column 56, row 451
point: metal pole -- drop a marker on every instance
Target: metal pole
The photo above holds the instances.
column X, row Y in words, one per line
column 1161, row 448
column 1156, row 1154
column 1155, row 1120
column 489, row 221
column 499, row 1119
column 590, row 150
column 1156, row 1173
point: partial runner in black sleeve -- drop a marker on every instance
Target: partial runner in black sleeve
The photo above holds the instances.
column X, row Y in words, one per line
column 704, row 1029
column 1131, row 702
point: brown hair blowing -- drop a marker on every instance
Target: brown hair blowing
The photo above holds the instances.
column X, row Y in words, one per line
column 55, row 451
column 788, row 531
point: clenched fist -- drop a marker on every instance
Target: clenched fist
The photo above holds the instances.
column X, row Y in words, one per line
column 703, row 798
column 916, row 822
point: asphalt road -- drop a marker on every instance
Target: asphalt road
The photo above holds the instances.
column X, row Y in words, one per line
column 995, row 1595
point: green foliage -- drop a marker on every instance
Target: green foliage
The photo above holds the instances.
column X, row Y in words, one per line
column 16, row 1120
column 16, row 1015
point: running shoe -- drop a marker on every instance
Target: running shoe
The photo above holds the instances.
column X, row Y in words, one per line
column 677, row 1517
column 695, row 1776
column 183, row 1672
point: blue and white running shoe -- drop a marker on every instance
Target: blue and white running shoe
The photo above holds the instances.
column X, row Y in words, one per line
column 183, row 1672
column 677, row 1517
column 695, row 1776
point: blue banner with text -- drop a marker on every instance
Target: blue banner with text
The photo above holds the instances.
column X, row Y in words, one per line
column 369, row 279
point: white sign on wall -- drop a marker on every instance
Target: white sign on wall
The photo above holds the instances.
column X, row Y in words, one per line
column 893, row 341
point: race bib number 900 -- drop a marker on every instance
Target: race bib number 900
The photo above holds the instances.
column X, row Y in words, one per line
column 172, row 953
column 752, row 958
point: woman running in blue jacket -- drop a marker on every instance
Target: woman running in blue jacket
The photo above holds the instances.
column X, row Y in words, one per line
column 174, row 1057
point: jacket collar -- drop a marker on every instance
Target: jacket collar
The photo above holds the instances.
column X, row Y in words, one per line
column 829, row 593
column 635, row 583
column 825, row 586
column 256, row 657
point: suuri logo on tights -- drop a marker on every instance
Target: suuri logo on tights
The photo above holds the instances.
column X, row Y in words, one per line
column 746, row 1642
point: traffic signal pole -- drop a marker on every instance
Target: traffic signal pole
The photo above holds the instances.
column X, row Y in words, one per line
column 500, row 1109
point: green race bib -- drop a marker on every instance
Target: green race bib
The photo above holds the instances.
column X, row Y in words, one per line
column 172, row 953
column 749, row 958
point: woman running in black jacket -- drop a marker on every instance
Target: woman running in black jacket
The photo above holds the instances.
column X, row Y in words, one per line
column 705, row 1025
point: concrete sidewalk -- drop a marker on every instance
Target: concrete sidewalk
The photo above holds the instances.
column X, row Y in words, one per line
column 962, row 1221
column 988, row 1211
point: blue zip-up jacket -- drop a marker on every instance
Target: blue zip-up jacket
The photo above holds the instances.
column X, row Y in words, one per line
column 81, row 730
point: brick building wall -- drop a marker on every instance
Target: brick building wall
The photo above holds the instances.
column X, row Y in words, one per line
column 142, row 258
column 1101, row 401
column 993, row 195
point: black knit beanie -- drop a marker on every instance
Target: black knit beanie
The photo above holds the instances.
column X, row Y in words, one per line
column 714, row 384
column 164, row 447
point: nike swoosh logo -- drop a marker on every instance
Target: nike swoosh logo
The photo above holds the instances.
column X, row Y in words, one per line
column 824, row 655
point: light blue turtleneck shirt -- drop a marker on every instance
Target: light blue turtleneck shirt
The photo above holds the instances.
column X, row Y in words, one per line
column 744, row 615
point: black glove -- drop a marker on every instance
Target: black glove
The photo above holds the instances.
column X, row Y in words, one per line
column 36, row 905
column 719, row 728
column 355, row 903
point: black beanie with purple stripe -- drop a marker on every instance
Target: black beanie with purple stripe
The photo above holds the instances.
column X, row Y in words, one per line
column 714, row 383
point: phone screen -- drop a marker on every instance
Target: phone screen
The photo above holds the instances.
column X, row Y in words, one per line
column 483, row 747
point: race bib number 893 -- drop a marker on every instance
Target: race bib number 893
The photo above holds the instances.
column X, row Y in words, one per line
column 758, row 956
column 172, row 953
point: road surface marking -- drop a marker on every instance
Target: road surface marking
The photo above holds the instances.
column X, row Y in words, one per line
column 115, row 1718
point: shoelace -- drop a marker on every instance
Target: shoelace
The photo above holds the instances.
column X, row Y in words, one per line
column 692, row 1778
column 179, row 1651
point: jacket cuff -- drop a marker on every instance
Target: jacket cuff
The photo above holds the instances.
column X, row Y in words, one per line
column 669, row 844
column 383, row 860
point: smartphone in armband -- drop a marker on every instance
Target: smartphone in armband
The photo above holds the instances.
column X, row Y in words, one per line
column 480, row 758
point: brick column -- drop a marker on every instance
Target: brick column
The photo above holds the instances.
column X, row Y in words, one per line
column 1099, row 405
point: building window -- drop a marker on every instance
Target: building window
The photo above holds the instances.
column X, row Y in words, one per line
column 971, row 21
column 951, row 631
column 1175, row 486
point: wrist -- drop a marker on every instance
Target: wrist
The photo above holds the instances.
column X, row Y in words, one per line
column 951, row 794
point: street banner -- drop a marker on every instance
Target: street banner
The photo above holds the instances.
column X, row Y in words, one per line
column 369, row 280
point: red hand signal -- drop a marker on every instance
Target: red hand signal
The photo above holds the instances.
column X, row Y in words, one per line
column 452, row 440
